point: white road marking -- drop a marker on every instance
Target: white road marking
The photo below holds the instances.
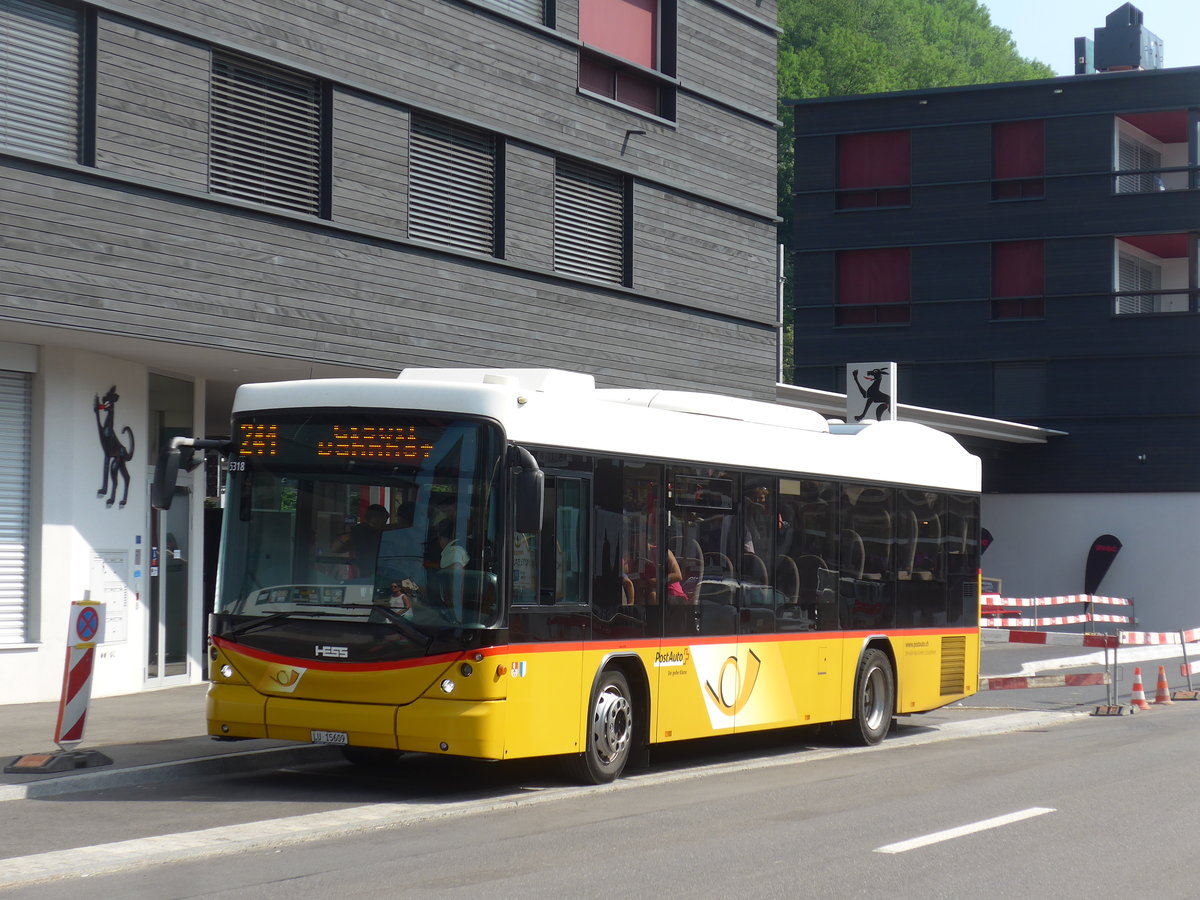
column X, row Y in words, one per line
column 950, row 833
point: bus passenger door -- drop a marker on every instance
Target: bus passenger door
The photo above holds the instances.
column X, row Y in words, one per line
column 548, row 624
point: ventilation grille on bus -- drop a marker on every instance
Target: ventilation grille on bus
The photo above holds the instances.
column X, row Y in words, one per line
column 954, row 665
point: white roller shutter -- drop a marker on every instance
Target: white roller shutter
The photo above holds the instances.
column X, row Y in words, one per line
column 15, row 411
column 39, row 77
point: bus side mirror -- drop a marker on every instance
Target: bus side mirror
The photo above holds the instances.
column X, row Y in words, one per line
column 528, row 491
column 170, row 459
column 179, row 454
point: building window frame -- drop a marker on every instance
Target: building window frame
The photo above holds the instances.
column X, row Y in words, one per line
column 16, row 414
column 592, row 223
column 874, row 286
column 1018, row 280
column 270, row 135
column 1155, row 275
column 1019, row 160
column 874, row 170
column 47, row 60
column 539, row 12
column 637, row 75
column 455, row 185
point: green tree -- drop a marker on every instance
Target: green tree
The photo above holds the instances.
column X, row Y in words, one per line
column 835, row 48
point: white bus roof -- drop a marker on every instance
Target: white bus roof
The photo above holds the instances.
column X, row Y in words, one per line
column 554, row 408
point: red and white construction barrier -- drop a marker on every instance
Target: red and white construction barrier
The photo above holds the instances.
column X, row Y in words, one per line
column 1004, row 635
column 87, row 628
column 1062, row 600
column 1056, row 620
column 993, row 610
column 1016, row 682
column 1160, row 637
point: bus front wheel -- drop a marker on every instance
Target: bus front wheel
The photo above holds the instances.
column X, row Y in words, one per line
column 874, row 700
column 609, row 731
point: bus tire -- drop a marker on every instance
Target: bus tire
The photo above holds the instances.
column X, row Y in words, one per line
column 372, row 757
column 874, row 700
column 610, row 731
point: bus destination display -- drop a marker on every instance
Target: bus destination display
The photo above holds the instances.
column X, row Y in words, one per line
column 337, row 440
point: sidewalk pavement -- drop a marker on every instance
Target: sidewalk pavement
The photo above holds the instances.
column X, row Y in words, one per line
column 150, row 737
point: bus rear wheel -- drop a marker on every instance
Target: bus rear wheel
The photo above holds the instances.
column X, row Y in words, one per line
column 610, row 731
column 874, row 700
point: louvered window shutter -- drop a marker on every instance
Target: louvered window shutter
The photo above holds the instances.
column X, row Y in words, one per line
column 15, row 411
column 1134, row 274
column 589, row 223
column 452, row 185
column 1133, row 155
column 533, row 10
column 39, row 77
column 265, row 140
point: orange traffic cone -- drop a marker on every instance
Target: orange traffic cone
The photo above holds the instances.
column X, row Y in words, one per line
column 1139, row 694
column 1162, row 692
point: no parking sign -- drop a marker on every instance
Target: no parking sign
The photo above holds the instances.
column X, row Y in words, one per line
column 86, row 630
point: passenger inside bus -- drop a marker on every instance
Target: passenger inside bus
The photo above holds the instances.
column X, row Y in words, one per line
column 362, row 541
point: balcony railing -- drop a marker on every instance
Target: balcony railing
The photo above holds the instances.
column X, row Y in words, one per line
column 1149, row 181
column 1145, row 303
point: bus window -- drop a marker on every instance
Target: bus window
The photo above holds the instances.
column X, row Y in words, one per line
column 761, row 527
column 920, row 566
column 705, row 527
column 868, row 567
column 639, row 540
column 961, row 541
column 549, row 568
column 806, row 561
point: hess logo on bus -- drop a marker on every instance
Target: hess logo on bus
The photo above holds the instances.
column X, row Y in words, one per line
column 331, row 652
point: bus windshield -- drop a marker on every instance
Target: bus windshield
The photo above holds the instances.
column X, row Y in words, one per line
column 336, row 518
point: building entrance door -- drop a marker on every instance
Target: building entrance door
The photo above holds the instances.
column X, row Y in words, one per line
column 174, row 556
column 167, row 647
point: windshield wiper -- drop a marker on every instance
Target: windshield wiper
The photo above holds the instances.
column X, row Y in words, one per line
column 275, row 617
column 402, row 624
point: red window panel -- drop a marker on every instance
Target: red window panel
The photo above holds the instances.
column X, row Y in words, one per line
column 597, row 75
column 877, row 159
column 1018, row 269
column 1018, row 160
column 636, row 90
column 1018, row 280
column 617, row 82
column 1018, row 149
column 624, row 28
column 873, row 276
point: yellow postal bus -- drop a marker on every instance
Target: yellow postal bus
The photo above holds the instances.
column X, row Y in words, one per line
column 514, row 563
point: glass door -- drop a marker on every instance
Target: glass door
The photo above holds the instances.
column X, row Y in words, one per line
column 171, row 547
column 167, row 647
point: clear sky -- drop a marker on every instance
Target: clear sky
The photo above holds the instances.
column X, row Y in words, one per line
column 1046, row 29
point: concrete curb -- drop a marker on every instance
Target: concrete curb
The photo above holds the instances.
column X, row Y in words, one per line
column 158, row 773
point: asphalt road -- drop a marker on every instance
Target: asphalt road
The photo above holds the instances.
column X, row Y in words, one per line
column 1103, row 807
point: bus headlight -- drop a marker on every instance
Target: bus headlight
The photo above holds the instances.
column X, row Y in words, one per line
column 447, row 686
column 227, row 671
